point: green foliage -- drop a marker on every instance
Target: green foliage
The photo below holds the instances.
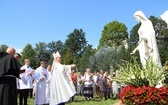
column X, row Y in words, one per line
column 123, row 54
column 113, row 34
column 153, row 74
column 134, row 34
column 41, row 52
column 76, row 42
column 3, row 48
column 108, row 58
column 29, row 53
column 53, row 47
column 101, row 59
column 84, row 60
column 67, row 58
column 133, row 74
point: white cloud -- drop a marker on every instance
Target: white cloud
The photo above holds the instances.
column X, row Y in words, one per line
column 18, row 50
column 164, row 16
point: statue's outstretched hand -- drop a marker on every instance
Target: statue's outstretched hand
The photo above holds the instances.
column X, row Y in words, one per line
column 133, row 52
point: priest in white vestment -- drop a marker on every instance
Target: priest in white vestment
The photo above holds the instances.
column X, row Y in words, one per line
column 60, row 89
column 41, row 76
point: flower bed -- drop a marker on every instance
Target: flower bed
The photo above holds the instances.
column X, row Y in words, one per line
column 145, row 86
column 144, row 95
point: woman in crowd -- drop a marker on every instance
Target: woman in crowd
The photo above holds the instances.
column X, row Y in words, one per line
column 95, row 75
column 100, row 84
column 108, row 81
column 79, row 84
column 88, row 81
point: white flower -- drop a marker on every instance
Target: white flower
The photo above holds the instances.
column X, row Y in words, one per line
column 159, row 85
column 142, row 74
column 133, row 77
column 128, row 78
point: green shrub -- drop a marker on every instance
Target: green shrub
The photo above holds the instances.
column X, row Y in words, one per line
column 133, row 74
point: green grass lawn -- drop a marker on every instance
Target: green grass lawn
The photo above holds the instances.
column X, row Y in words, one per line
column 79, row 100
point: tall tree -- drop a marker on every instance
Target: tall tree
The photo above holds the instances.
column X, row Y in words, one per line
column 113, row 34
column 41, row 52
column 76, row 42
column 67, row 58
column 3, row 48
column 84, row 60
column 29, row 53
column 108, row 58
column 104, row 58
column 53, row 47
column 132, row 41
column 134, row 37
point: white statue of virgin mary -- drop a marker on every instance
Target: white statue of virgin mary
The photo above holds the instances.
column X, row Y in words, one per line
column 147, row 45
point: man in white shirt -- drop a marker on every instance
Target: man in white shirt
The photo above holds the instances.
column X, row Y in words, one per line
column 26, row 82
column 41, row 76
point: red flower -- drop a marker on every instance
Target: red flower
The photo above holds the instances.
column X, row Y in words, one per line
column 144, row 95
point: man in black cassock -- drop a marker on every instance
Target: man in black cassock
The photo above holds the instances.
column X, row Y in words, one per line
column 9, row 70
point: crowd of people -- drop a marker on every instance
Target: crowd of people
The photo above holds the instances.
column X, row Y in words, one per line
column 99, row 84
column 53, row 84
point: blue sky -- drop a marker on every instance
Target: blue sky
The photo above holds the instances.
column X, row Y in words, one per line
column 33, row 21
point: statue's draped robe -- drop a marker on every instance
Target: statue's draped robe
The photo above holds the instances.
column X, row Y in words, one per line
column 147, row 34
